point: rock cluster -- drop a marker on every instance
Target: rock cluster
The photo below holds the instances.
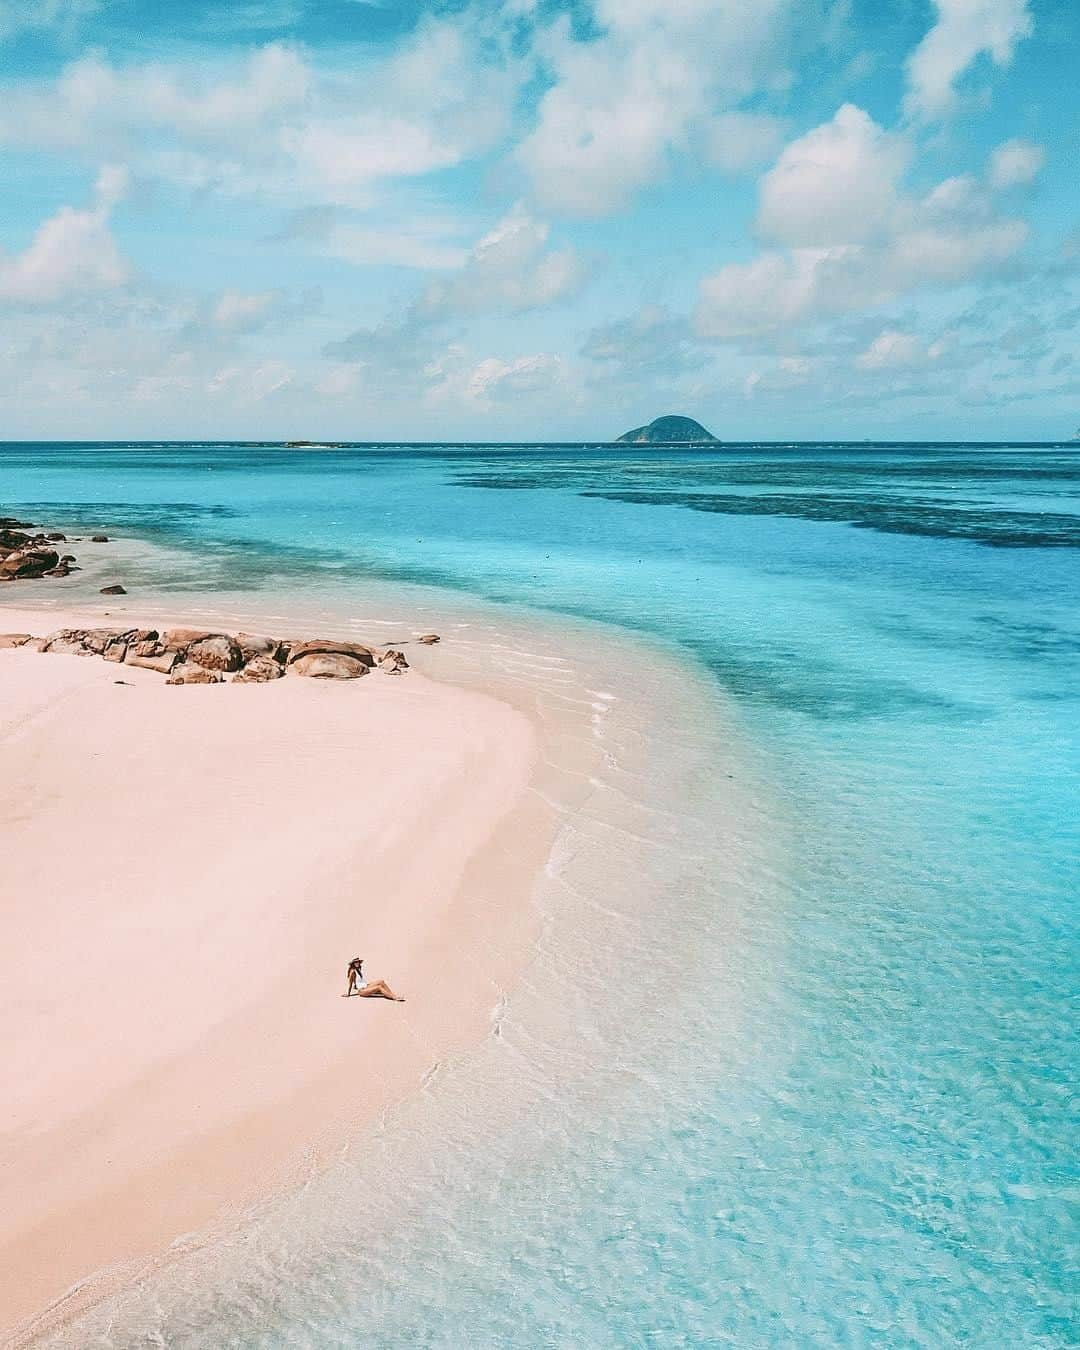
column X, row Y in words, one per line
column 192, row 656
column 27, row 557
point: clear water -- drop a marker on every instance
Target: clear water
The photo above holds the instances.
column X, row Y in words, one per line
column 830, row 1101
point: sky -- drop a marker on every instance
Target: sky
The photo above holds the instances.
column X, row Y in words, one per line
column 539, row 219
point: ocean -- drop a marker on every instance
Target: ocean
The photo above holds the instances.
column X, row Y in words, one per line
column 790, row 1068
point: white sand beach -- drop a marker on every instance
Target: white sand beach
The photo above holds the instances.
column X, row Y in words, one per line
column 186, row 872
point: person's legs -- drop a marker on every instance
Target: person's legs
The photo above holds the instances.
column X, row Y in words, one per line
column 379, row 989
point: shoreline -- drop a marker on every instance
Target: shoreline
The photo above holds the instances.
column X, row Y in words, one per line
column 203, row 1135
column 591, row 696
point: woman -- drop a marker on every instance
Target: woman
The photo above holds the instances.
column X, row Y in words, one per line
column 373, row 989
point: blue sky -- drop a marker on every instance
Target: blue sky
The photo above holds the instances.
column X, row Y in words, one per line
column 329, row 218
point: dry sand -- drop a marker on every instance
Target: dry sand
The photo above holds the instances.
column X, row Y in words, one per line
column 184, row 874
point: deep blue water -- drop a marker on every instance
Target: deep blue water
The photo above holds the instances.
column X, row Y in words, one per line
column 885, row 1155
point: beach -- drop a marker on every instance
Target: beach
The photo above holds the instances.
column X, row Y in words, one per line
column 763, row 1027
column 187, row 872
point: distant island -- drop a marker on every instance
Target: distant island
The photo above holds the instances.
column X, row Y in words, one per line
column 668, row 431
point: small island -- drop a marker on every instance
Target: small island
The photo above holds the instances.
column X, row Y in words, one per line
column 671, row 430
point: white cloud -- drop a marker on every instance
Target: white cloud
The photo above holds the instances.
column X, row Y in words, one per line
column 509, row 271
column 71, row 253
column 791, row 372
column 855, row 238
column 835, row 185
column 276, row 124
column 964, row 30
column 522, row 381
column 895, row 350
column 1016, row 163
column 620, row 103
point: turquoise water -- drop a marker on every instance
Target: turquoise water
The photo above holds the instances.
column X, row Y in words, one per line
column 877, row 1148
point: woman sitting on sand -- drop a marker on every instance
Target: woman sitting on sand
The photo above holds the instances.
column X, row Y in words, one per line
column 373, row 988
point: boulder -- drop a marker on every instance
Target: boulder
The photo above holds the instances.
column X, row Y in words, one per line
column 251, row 646
column 189, row 674
column 56, row 538
column 176, row 639
column 116, row 650
column 99, row 538
column 219, row 652
column 393, row 662
column 329, row 666
column 163, row 662
column 28, row 563
column 12, row 539
column 259, row 670
column 331, row 647
column 113, row 590
column 65, row 642
column 145, row 643
column 429, row 639
column 8, row 640
column 60, row 570
column 99, row 639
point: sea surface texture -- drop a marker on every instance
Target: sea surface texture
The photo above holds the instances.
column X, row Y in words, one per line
column 795, row 1073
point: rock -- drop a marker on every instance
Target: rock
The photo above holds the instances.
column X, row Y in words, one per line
column 113, row 590
column 163, row 662
column 331, row 647
column 259, row 670
column 67, row 557
column 8, row 640
column 251, row 646
column 65, row 642
column 116, row 650
column 56, row 538
column 429, row 639
column 60, row 570
column 219, row 652
column 393, row 662
column 329, row 666
column 99, row 639
column 189, row 674
column 99, row 538
column 28, row 563
column 176, row 639
column 12, row 539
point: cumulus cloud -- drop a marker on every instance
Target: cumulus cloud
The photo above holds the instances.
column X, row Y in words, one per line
column 1016, row 163
column 72, row 253
column 835, row 185
column 624, row 98
column 963, row 31
column 854, row 237
column 273, row 123
column 509, row 271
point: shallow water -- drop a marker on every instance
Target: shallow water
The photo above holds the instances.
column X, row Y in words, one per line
column 805, row 1077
